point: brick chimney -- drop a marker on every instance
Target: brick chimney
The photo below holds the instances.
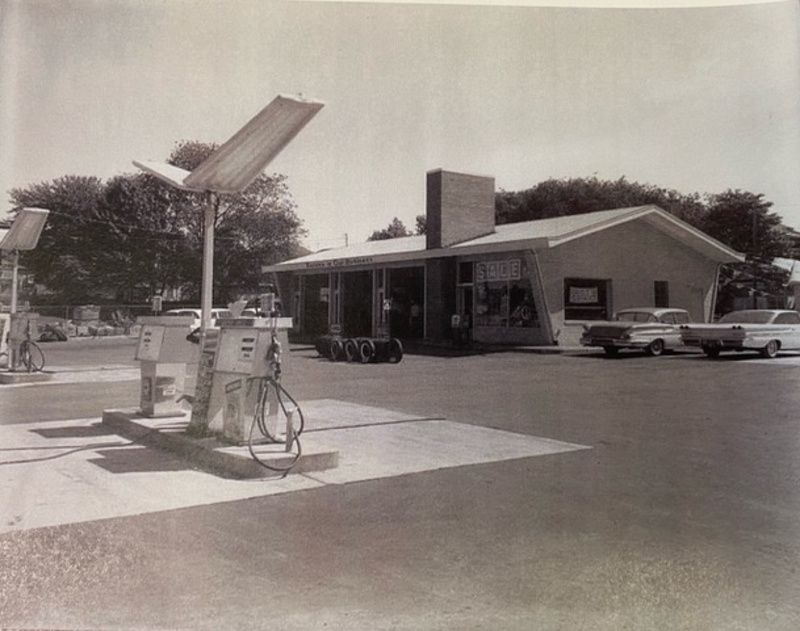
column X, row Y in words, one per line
column 459, row 207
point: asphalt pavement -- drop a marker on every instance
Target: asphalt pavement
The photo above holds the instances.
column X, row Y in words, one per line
column 682, row 513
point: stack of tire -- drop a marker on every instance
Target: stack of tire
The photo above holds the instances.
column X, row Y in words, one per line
column 362, row 350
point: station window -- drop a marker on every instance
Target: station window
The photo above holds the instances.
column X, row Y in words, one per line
column 586, row 299
column 506, row 301
column 661, row 291
column 465, row 273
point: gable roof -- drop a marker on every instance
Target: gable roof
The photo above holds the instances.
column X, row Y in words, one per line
column 536, row 234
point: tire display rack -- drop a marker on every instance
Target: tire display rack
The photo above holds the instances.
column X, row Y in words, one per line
column 363, row 350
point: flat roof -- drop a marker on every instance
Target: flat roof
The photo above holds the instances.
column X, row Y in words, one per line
column 535, row 234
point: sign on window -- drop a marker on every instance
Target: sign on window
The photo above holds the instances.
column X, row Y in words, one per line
column 583, row 295
column 498, row 270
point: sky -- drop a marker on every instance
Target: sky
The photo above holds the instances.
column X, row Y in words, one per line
column 696, row 99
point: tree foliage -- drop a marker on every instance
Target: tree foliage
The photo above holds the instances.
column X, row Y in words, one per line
column 60, row 257
column 396, row 228
column 743, row 221
column 421, row 226
column 559, row 197
column 133, row 236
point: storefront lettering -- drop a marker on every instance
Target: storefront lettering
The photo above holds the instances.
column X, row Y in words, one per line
column 498, row 270
column 357, row 260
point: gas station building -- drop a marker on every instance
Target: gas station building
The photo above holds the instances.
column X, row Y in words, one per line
column 532, row 283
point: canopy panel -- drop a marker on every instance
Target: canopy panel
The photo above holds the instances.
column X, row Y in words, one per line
column 25, row 229
column 233, row 166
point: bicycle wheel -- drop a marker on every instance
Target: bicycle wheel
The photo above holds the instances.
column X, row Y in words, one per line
column 31, row 356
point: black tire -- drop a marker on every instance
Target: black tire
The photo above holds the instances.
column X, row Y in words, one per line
column 31, row 356
column 655, row 348
column 771, row 349
column 611, row 351
column 336, row 351
column 351, row 350
column 322, row 346
column 711, row 351
column 366, row 350
column 395, row 351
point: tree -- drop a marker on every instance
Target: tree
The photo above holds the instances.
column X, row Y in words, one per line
column 421, row 225
column 555, row 198
column 59, row 259
column 256, row 227
column 134, row 236
column 154, row 246
column 395, row 229
column 743, row 221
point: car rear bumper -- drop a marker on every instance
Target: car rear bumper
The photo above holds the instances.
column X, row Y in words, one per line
column 613, row 342
column 722, row 344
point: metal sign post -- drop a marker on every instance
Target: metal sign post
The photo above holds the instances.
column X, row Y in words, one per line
column 231, row 169
column 23, row 235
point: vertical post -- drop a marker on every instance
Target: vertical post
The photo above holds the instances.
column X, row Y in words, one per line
column 207, row 289
column 13, row 347
column 754, row 263
column 198, row 425
column 14, row 273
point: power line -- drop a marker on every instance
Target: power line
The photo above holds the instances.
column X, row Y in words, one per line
column 160, row 233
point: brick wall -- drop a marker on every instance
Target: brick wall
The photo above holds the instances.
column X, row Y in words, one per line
column 458, row 207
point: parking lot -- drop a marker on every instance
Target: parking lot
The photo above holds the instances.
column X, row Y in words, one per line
column 684, row 511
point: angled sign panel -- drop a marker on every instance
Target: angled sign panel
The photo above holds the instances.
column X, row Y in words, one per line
column 165, row 172
column 233, row 166
column 25, row 229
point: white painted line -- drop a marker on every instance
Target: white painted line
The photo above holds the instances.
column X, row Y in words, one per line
column 81, row 376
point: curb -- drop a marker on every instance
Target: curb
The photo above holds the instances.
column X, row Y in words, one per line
column 10, row 378
column 210, row 454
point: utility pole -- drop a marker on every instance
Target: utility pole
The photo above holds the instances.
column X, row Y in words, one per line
column 753, row 259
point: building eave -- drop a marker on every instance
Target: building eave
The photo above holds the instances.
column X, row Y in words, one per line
column 668, row 223
column 490, row 244
column 400, row 257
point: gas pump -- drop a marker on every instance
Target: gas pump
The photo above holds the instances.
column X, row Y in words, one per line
column 163, row 352
column 246, row 392
column 5, row 323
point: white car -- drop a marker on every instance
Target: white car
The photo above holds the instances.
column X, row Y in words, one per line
column 652, row 330
column 196, row 314
column 764, row 330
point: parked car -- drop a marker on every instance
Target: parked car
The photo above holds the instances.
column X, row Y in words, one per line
column 764, row 330
column 653, row 330
column 196, row 314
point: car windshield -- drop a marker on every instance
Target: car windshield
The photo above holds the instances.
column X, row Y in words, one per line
column 747, row 317
column 223, row 313
column 635, row 316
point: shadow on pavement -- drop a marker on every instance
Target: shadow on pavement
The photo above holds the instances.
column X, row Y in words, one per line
column 73, row 432
column 137, row 460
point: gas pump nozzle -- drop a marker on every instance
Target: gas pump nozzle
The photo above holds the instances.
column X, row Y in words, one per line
column 274, row 357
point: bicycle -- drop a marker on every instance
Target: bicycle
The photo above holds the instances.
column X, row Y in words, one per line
column 29, row 354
